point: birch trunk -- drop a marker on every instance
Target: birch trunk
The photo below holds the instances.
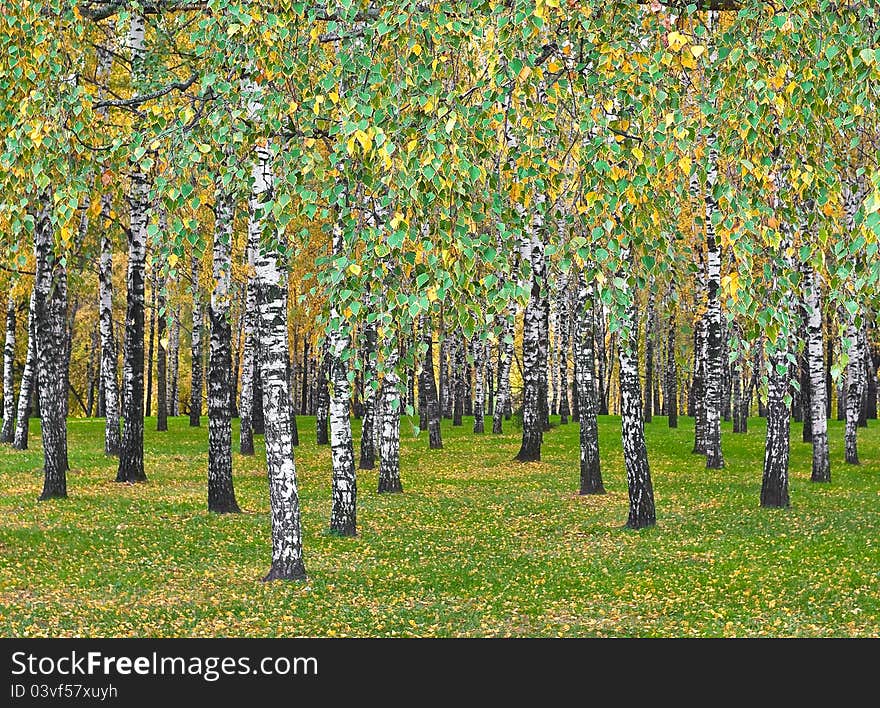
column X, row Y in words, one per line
column 109, row 376
column 774, row 487
column 599, row 341
column 8, row 430
column 866, row 356
column 591, row 474
column 174, row 365
column 533, row 424
column 854, row 373
column 322, row 419
column 562, row 332
column 343, row 514
column 446, row 393
column 195, row 395
column 50, row 311
column 150, row 345
column 287, row 551
column 389, row 437
column 131, row 454
column 368, row 449
column 544, row 357
column 479, row 354
column 246, row 405
column 648, row 412
column 26, row 385
column 161, row 349
column 815, row 365
column 671, row 371
column 871, row 407
column 432, row 405
column 635, row 453
column 713, row 331
column 221, row 491
column 505, row 361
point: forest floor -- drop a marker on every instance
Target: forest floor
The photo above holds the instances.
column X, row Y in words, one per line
column 477, row 545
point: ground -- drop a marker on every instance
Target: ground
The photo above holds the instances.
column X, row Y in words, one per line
column 477, row 545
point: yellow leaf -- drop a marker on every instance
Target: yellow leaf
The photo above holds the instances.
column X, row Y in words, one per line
column 450, row 125
column 172, row 260
column 364, row 140
column 684, row 164
column 354, row 269
column 730, row 284
column 676, row 41
column 638, row 153
column 697, row 50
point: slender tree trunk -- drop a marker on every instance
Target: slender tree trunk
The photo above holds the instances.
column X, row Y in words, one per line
column 174, row 365
column 162, row 351
column 635, row 453
column 815, row 366
column 151, row 343
column 91, row 371
column 479, row 353
column 713, row 327
column 26, row 385
column 457, row 360
column 8, row 430
column 505, row 360
column 864, row 373
column 648, row 412
column 532, row 349
column 591, row 474
column 237, row 354
column 131, row 454
column 432, row 404
column 544, row 357
column 572, row 320
column 562, row 330
column 854, row 373
column 467, row 377
column 50, row 311
column 248, row 359
column 368, row 449
column 221, row 490
column 109, row 377
column 490, row 382
column 671, row 372
column 304, row 402
column 736, row 383
column 806, row 394
column 343, row 515
column 195, row 397
column 322, row 420
column 774, row 488
column 389, row 439
column 287, row 551
column 871, row 407
column 446, row 386
column 604, row 372
column 659, row 369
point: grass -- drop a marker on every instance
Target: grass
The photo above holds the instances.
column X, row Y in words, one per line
column 477, row 545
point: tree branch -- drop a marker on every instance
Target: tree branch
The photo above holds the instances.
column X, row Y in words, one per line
column 143, row 98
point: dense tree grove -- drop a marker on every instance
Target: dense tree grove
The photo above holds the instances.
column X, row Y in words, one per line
column 508, row 209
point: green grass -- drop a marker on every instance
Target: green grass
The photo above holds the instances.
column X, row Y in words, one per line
column 477, row 545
